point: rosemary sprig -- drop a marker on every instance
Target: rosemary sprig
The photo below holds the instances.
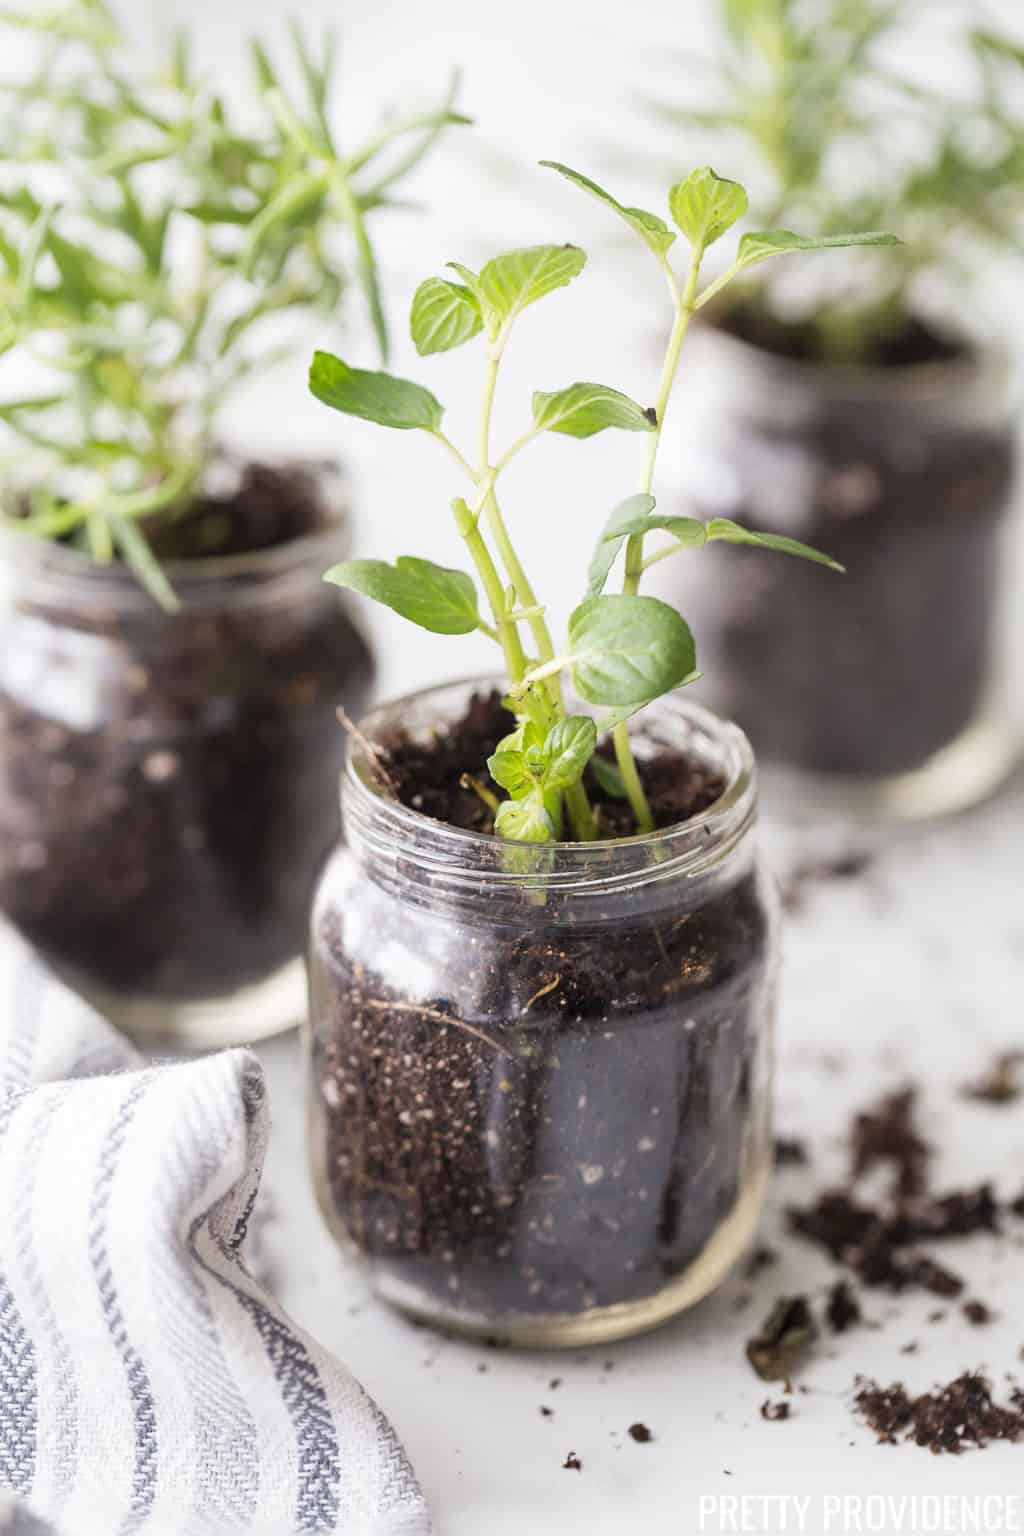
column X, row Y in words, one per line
column 794, row 90
column 151, row 238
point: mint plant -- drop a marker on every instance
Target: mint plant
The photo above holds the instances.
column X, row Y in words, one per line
column 623, row 650
column 152, row 237
column 793, row 89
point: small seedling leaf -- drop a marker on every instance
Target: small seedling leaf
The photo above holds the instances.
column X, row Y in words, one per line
column 432, row 596
column 379, row 397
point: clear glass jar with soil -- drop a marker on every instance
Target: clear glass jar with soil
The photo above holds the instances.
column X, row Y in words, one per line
column 878, row 692
column 168, row 781
column 540, row 1075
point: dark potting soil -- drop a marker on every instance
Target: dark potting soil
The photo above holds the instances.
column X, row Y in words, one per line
column 783, row 1340
column 879, row 1241
column 865, row 676
column 886, row 1135
column 790, row 1152
column 842, row 1310
column 168, row 784
column 436, row 777
column 543, row 1116
column 269, row 507
column 958, row 1417
column 913, row 343
column 1002, row 1082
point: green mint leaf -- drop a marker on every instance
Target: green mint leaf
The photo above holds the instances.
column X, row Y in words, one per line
column 732, row 533
column 509, row 283
column 759, row 244
column 444, row 315
column 580, row 410
column 612, row 540
column 527, row 735
column 524, row 821
column 653, row 231
column 624, row 649
column 608, row 777
column 432, row 596
column 705, row 206
column 686, row 530
column 568, row 748
column 379, row 397
column 469, row 277
column 509, row 769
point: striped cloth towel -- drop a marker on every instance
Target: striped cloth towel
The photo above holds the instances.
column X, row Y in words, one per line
column 147, row 1383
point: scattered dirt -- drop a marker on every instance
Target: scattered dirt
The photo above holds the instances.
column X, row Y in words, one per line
column 978, row 1313
column 886, row 1135
column 761, row 1259
column 790, row 1152
column 775, row 1413
column 842, row 1310
column 1002, row 1082
column 572, row 1463
column 801, row 879
column 951, row 1419
column 877, row 1241
column 640, row 1433
column 785, row 1336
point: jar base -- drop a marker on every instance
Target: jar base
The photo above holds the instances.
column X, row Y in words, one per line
column 600, row 1325
column 957, row 777
column 254, row 1012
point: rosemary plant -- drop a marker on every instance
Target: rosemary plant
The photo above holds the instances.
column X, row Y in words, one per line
column 150, row 236
column 816, row 100
column 623, row 650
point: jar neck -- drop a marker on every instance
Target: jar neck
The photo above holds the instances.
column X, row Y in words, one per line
column 739, row 381
column 431, row 864
column 62, row 584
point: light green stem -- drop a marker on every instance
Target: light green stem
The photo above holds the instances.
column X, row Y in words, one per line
column 580, row 813
column 507, row 632
column 684, row 307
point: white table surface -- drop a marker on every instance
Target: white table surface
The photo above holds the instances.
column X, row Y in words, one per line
column 912, row 971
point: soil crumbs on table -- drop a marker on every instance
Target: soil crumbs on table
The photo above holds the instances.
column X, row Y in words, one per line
column 962, row 1414
column 877, row 1242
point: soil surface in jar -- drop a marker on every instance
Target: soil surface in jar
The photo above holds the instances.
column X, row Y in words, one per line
column 566, row 1121
column 872, row 672
column 168, row 784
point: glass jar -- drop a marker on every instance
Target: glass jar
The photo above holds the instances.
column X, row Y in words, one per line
column 540, row 1076
column 878, row 690
column 168, row 782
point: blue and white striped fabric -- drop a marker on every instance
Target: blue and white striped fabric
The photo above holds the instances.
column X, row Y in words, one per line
column 147, row 1383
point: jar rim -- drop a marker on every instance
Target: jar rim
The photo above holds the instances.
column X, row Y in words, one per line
column 457, row 858
column 72, row 574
